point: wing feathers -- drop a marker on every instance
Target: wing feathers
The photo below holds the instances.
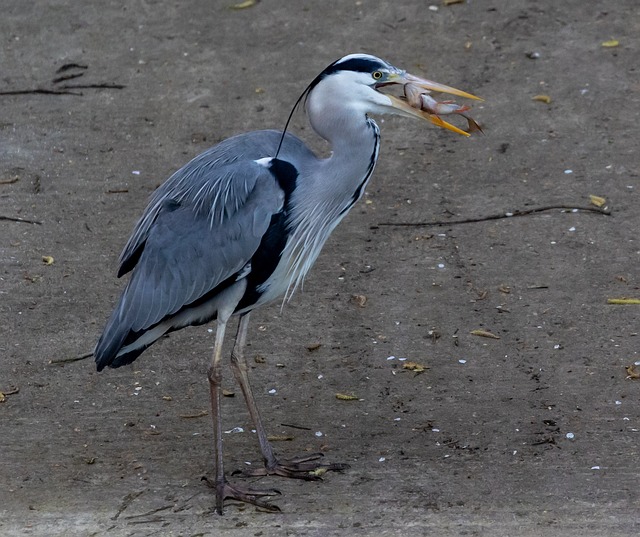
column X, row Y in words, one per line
column 193, row 241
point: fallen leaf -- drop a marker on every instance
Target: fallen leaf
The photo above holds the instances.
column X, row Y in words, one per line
column 279, row 438
column 598, row 201
column 542, row 99
column 228, row 393
column 244, row 5
column 484, row 333
column 313, row 346
column 451, row 2
column 200, row 414
column 359, row 300
column 346, row 397
column 623, row 301
column 611, row 43
column 47, row 260
column 318, row 472
column 414, row 366
column 167, row 398
column 11, row 391
column 632, row 372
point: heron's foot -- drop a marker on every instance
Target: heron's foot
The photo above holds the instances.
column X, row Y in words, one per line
column 309, row 468
column 228, row 491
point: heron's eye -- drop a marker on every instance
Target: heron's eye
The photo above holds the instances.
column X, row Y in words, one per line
column 377, row 75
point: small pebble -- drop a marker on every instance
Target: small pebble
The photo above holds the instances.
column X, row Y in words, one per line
column 570, row 436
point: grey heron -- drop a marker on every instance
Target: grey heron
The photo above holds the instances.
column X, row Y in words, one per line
column 241, row 225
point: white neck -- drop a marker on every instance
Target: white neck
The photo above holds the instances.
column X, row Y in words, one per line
column 327, row 188
column 341, row 119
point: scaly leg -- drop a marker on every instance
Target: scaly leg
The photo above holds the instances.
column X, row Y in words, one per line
column 223, row 488
column 307, row 467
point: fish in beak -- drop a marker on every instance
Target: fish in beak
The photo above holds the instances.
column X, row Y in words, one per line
column 417, row 101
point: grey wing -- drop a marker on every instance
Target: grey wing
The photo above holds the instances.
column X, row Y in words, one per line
column 198, row 237
column 189, row 181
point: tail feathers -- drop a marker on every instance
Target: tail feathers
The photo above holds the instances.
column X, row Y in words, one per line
column 115, row 350
column 127, row 357
column 119, row 345
column 108, row 346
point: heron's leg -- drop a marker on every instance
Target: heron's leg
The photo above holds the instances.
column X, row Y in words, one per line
column 241, row 372
column 223, row 488
column 214, row 374
column 307, row 467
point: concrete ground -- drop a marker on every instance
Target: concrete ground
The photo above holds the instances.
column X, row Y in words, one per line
column 532, row 434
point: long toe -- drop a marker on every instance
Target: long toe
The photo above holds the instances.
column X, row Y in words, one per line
column 231, row 491
column 309, row 468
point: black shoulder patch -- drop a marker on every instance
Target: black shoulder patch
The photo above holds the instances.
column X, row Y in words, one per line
column 286, row 174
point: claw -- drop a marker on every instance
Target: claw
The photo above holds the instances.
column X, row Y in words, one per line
column 227, row 491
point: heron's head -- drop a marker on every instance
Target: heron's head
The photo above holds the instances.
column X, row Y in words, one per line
column 355, row 81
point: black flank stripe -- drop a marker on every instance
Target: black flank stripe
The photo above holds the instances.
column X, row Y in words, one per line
column 267, row 256
column 372, row 162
